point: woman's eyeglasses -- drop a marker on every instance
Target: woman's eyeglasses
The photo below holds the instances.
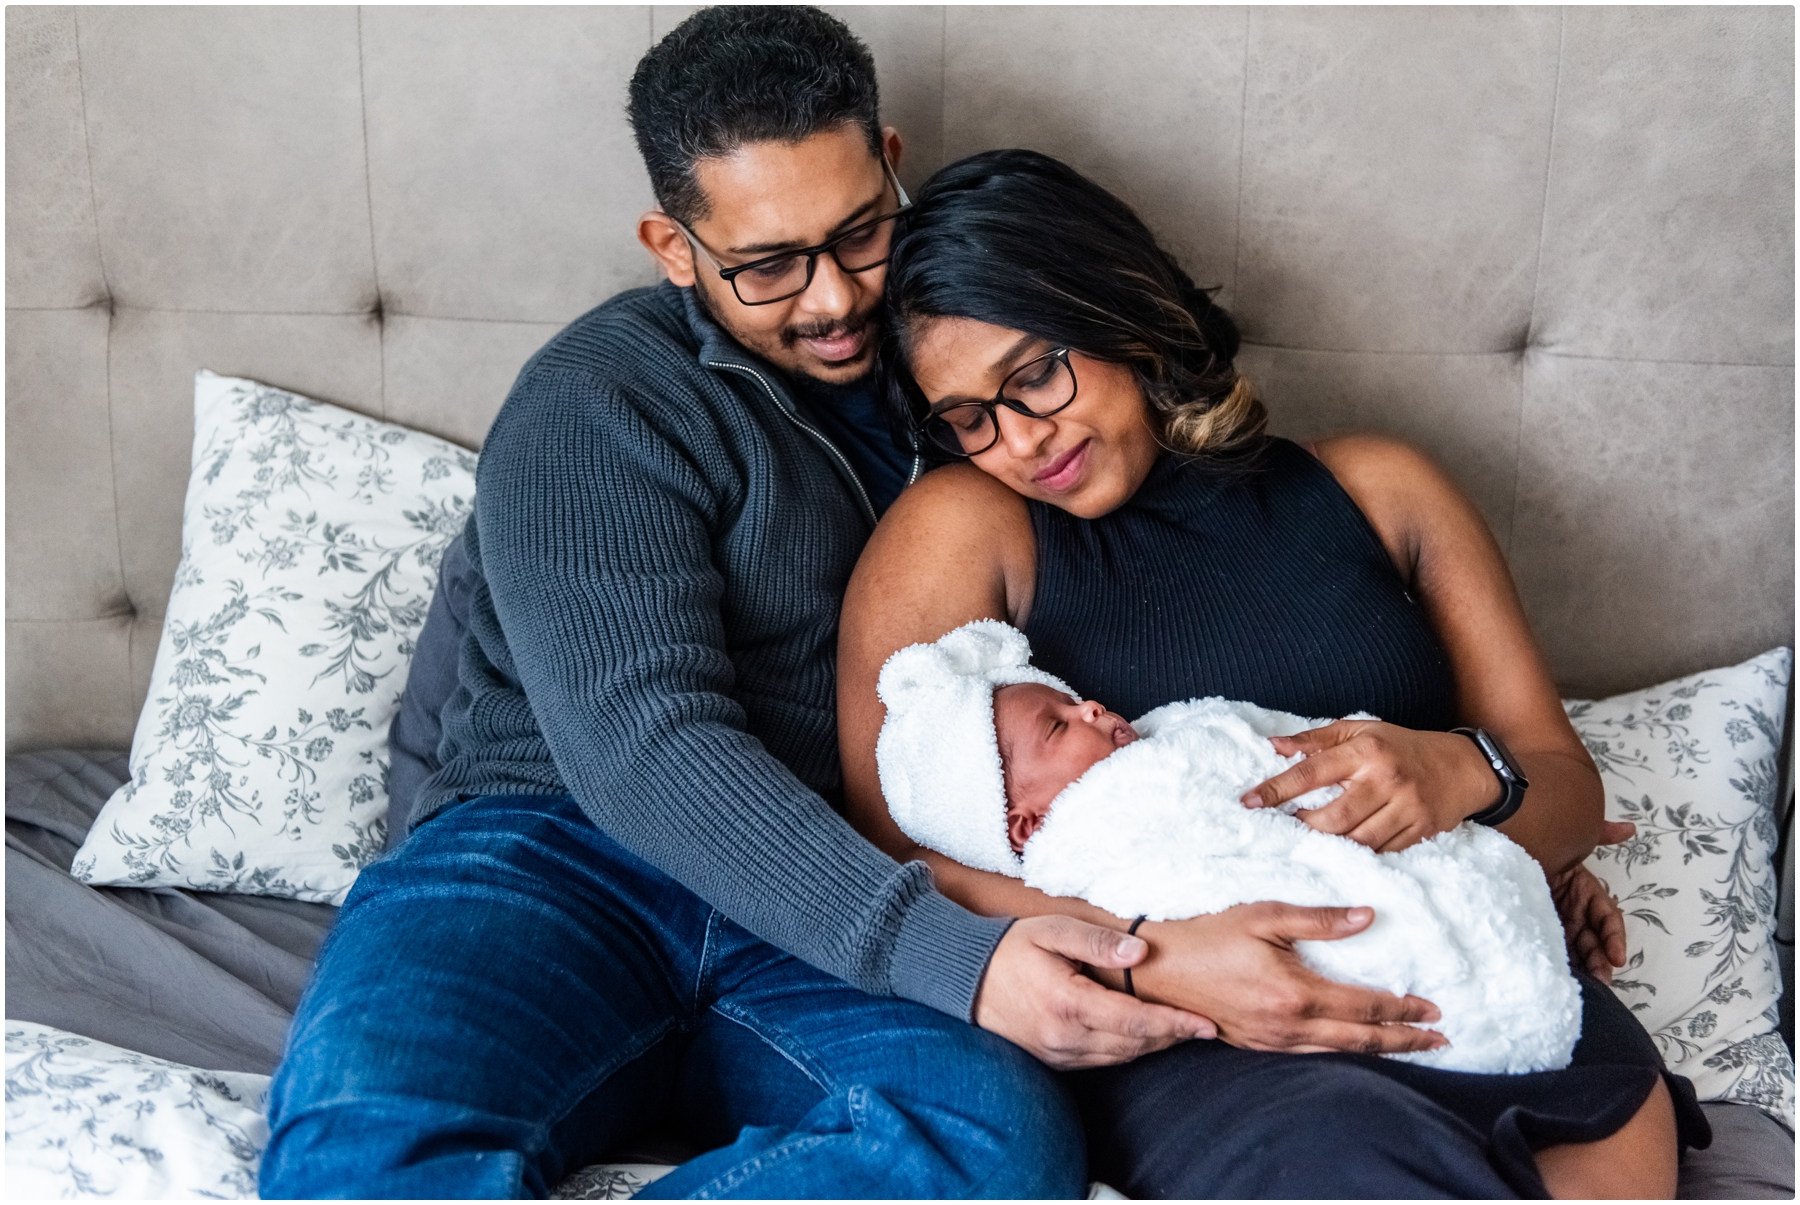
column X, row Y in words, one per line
column 1037, row 389
column 789, row 274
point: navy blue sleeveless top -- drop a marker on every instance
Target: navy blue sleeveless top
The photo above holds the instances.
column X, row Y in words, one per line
column 1266, row 585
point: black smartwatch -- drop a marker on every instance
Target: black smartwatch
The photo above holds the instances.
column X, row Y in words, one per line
column 1506, row 769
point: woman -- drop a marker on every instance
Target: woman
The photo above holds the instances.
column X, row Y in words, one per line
column 1113, row 494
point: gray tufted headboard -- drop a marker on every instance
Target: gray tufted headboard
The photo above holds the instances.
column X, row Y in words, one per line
column 1553, row 247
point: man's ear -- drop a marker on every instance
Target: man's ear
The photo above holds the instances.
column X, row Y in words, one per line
column 892, row 146
column 664, row 239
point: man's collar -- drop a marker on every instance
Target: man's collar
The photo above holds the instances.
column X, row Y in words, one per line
column 716, row 343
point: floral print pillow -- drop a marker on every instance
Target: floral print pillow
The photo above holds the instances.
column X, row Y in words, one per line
column 1692, row 763
column 311, row 539
column 85, row 1119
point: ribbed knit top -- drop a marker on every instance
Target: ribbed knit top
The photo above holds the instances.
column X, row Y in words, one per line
column 661, row 543
column 1268, row 586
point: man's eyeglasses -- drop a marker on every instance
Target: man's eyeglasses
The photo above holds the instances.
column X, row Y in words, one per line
column 779, row 277
column 1037, row 389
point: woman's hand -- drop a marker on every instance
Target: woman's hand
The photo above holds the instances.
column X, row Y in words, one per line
column 1400, row 786
column 1239, row 968
column 1035, row 996
column 1593, row 925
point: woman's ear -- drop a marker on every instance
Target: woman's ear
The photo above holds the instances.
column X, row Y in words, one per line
column 665, row 240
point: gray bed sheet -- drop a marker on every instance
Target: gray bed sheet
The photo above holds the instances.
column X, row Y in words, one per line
column 198, row 977
column 211, row 980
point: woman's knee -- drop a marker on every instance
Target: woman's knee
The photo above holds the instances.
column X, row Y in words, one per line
column 1637, row 1162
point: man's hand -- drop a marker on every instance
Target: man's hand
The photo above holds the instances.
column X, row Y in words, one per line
column 1239, row 968
column 1401, row 786
column 1593, row 925
column 1035, row 996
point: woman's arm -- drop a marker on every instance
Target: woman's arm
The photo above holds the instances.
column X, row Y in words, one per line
column 1403, row 785
column 958, row 547
column 954, row 548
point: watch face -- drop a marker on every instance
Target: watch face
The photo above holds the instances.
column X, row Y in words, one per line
column 1508, row 764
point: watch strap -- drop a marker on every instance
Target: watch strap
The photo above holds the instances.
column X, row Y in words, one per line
column 1512, row 783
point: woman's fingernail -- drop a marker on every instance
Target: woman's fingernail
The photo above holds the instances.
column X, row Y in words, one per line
column 1251, row 799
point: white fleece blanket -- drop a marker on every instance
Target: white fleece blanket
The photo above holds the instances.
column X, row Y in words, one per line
column 1464, row 920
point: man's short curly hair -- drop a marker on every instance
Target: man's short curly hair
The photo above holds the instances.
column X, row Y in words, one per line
column 732, row 74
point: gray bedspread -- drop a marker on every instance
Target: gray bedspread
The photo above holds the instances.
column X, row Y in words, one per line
column 197, row 977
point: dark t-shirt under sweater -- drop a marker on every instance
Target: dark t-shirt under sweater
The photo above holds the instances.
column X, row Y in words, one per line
column 851, row 417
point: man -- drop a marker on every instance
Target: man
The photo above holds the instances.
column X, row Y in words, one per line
column 626, row 895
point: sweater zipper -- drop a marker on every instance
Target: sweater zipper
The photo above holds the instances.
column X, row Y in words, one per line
column 862, row 495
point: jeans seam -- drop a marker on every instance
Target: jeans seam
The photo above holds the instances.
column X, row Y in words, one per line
column 726, row 1181
column 703, row 972
column 857, row 1106
column 788, row 1047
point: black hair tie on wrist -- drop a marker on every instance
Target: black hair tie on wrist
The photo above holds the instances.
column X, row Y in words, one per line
column 1132, row 932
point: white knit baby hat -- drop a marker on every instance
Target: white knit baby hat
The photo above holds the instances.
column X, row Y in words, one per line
column 939, row 761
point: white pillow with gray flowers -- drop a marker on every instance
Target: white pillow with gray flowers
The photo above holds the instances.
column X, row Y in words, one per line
column 311, row 539
column 85, row 1119
column 1692, row 763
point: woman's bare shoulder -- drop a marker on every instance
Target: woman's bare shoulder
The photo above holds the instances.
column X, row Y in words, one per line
column 1364, row 454
column 955, row 534
column 1407, row 496
column 962, row 508
column 1384, row 473
column 956, row 489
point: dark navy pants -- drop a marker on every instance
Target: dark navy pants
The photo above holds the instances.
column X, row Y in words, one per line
column 1205, row 1119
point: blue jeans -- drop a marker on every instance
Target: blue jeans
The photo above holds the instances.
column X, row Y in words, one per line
column 509, row 994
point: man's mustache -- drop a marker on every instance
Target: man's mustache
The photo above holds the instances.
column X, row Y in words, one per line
column 835, row 329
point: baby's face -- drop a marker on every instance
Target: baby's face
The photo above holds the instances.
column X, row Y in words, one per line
column 1046, row 743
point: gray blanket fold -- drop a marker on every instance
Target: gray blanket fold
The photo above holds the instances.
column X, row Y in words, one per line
column 205, row 979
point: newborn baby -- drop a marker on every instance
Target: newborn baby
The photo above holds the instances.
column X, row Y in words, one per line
column 1047, row 740
column 989, row 760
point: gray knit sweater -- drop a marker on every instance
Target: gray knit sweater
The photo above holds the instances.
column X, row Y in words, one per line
column 661, row 542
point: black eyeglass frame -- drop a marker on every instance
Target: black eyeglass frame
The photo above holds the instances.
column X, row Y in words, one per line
column 992, row 405
column 730, row 275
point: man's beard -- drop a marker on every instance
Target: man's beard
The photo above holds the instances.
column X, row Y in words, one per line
column 789, row 336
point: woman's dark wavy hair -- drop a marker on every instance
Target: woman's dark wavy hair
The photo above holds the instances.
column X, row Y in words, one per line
column 1023, row 241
